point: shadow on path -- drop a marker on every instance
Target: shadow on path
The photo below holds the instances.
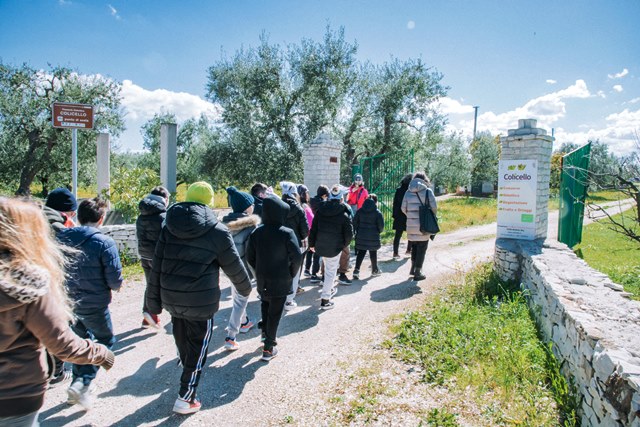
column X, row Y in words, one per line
column 397, row 292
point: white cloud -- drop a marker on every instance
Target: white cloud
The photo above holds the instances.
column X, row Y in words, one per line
column 618, row 75
column 141, row 104
column 411, row 25
column 451, row 106
column 618, row 88
column 634, row 100
column 114, row 12
column 551, row 81
column 64, row 2
column 601, row 94
column 619, row 132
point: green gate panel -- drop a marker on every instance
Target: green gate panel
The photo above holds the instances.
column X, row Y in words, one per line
column 382, row 175
column 574, row 181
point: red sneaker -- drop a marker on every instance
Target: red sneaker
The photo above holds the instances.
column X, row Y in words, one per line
column 185, row 407
column 150, row 320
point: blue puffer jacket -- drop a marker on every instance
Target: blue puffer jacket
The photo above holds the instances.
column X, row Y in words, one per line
column 97, row 269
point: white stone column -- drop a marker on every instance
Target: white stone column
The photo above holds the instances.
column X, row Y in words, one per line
column 321, row 159
column 104, row 163
column 531, row 143
column 168, row 156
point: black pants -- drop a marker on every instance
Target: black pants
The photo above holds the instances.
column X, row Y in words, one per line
column 316, row 263
column 146, row 266
column 192, row 339
column 418, row 254
column 308, row 260
column 373, row 255
column 396, row 242
column 272, row 308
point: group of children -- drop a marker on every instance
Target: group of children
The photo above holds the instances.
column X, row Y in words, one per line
column 266, row 241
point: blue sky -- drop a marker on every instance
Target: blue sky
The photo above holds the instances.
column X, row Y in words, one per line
column 573, row 65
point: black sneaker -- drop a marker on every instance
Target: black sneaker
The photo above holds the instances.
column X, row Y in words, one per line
column 356, row 274
column 307, row 273
column 267, row 355
column 343, row 279
column 376, row 272
column 326, row 304
column 315, row 279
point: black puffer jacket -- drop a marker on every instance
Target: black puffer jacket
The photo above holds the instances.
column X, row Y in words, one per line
column 399, row 218
column 149, row 223
column 331, row 230
column 368, row 224
column 185, row 277
column 315, row 203
column 296, row 219
column 273, row 251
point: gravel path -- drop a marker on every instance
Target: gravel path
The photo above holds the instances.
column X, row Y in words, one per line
column 239, row 389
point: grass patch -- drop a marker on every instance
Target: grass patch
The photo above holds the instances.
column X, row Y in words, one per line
column 600, row 245
column 456, row 213
column 477, row 338
column 605, row 196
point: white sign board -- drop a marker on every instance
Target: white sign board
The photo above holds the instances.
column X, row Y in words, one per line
column 517, row 196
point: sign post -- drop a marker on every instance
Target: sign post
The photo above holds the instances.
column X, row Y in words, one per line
column 74, row 116
column 517, row 197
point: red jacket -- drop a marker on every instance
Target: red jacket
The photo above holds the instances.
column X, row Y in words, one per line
column 357, row 195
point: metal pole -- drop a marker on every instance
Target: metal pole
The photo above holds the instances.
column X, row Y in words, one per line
column 74, row 162
column 475, row 121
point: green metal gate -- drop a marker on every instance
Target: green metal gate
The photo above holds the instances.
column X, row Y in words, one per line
column 573, row 193
column 382, row 175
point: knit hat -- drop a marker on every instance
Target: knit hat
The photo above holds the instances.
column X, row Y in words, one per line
column 357, row 177
column 335, row 193
column 239, row 200
column 200, row 192
column 288, row 188
column 61, row 200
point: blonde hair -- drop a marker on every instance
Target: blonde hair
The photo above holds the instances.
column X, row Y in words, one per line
column 26, row 235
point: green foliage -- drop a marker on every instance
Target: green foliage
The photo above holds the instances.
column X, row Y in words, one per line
column 128, row 187
column 441, row 418
column 601, row 243
column 485, row 154
column 30, row 148
column 449, row 164
column 478, row 338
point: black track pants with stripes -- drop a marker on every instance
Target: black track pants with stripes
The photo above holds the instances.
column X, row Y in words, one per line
column 192, row 339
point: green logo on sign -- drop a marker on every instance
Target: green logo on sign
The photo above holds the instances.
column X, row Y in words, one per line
column 526, row 218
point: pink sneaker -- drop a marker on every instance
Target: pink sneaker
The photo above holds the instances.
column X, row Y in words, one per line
column 185, row 407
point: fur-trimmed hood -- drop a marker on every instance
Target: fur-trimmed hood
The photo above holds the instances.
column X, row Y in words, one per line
column 21, row 283
column 236, row 222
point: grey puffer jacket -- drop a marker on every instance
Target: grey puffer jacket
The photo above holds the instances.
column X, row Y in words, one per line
column 30, row 319
column 411, row 208
column 241, row 225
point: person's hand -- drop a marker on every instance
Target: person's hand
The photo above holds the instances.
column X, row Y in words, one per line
column 312, row 249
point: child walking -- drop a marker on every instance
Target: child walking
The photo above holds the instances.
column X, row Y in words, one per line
column 273, row 252
column 94, row 274
column 368, row 224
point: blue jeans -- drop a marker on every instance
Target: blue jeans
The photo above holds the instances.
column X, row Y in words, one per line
column 95, row 325
column 28, row 420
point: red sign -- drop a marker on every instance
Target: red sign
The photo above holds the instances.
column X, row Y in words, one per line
column 69, row 116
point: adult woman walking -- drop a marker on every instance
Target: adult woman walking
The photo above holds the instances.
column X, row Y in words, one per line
column 34, row 313
column 418, row 194
column 399, row 218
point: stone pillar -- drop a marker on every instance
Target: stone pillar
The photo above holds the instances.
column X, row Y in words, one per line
column 321, row 159
column 526, row 143
column 531, row 143
column 104, row 163
column 168, row 156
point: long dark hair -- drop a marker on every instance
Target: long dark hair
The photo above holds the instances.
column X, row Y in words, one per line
column 406, row 180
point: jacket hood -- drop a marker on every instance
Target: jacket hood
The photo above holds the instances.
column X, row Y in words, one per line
column 292, row 202
column 76, row 236
column 189, row 220
column 152, row 205
column 417, row 185
column 53, row 216
column 236, row 222
column 20, row 284
column 332, row 208
column 274, row 211
column 368, row 206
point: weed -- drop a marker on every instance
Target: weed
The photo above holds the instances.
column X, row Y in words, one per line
column 441, row 418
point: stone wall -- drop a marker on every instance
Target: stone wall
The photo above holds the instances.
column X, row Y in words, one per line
column 322, row 162
column 125, row 237
column 594, row 327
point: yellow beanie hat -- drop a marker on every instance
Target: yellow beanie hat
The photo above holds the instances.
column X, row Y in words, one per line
column 200, row 192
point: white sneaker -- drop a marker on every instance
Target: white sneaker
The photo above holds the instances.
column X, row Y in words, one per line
column 185, row 407
column 80, row 393
column 290, row 305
